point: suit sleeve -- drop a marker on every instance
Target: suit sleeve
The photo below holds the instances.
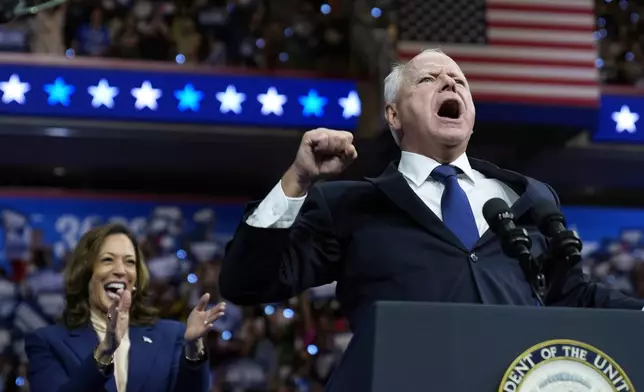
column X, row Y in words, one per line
column 273, row 264
column 46, row 373
column 189, row 376
column 576, row 289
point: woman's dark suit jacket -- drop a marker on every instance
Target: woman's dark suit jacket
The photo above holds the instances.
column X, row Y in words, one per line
column 62, row 360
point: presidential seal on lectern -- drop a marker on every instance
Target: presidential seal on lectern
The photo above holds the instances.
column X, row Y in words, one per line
column 564, row 365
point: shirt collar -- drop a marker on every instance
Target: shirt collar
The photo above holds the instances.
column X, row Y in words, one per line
column 417, row 168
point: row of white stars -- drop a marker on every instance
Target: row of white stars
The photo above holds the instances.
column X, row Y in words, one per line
column 103, row 94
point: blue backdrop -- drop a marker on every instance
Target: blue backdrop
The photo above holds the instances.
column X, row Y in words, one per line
column 63, row 220
column 595, row 224
column 178, row 97
column 619, row 119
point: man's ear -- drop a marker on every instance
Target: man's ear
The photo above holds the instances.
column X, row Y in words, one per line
column 391, row 114
column 393, row 120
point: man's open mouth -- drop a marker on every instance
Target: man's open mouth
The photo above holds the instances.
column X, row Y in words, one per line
column 450, row 109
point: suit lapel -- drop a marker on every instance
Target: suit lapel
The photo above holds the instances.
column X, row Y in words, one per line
column 144, row 343
column 395, row 187
column 518, row 182
column 82, row 341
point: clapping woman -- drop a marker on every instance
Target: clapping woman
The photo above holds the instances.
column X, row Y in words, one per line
column 110, row 339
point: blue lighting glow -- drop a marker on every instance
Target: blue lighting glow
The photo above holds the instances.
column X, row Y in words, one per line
column 313, row 104
column 189, row 99
column 173, row 97
column 59, row 92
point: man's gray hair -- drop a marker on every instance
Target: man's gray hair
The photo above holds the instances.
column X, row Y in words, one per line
column 394, row 81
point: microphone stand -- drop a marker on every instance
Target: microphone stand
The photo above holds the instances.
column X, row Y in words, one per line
column 517, row 238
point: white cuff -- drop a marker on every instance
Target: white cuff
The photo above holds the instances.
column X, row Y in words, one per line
column 276, row 210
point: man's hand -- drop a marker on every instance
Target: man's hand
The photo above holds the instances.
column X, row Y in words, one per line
column 322, row 152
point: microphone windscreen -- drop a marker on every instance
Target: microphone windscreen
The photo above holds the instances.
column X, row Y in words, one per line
column 544, row 212
column 491, row 211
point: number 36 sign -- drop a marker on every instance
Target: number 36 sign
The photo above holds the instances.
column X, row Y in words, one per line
column 62, row 220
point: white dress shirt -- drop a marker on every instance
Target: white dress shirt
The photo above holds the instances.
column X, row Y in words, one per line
column 279, row 211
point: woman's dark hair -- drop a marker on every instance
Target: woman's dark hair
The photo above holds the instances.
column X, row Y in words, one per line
column 80, row 268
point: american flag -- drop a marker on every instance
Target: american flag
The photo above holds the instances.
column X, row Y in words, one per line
column 528, row 51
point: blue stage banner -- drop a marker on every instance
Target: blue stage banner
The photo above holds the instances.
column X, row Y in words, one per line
column 599, row 226
column 174, row 226
column 174, row 94
column 533, row 114
column 619, row 119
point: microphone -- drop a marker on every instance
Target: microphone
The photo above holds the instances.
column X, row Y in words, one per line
column 564, row 244
column 10, row 9
column 515, row 242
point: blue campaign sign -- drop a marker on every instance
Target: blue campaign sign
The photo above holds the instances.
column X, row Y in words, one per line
column 619, row 119
column 177, row 97
column 63, row 219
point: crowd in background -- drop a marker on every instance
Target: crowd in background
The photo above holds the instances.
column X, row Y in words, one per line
column 276, row 34
column 329, row 36
column 619, row 34
column 619, row 262
column 285, row 347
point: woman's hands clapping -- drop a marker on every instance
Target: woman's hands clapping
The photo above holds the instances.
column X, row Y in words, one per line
column 118, row 321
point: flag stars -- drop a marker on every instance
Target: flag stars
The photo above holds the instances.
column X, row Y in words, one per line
column 625, row 120
column 59, row 92
column 146, row 96
column 272, row 102
column 14, row 90
column 231, row 100
column 351, row 105
column 103, row 94
column 313, row 104
column 189, row 98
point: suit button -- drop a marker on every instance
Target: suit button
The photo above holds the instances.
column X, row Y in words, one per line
column 473, row 257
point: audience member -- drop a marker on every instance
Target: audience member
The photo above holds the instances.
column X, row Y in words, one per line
column 280, row 34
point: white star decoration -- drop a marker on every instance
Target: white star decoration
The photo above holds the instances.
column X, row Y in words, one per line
column 625, row 120
column 272, row 102
column 14, row 90
column 103, row 94
column 146, row 96
column 351, row 105
column 231, row 100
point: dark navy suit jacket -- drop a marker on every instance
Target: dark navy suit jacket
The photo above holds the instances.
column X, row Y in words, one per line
column 380, row 242
column 61, row 360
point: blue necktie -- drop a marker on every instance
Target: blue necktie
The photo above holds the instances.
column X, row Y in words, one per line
column 456, row 210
